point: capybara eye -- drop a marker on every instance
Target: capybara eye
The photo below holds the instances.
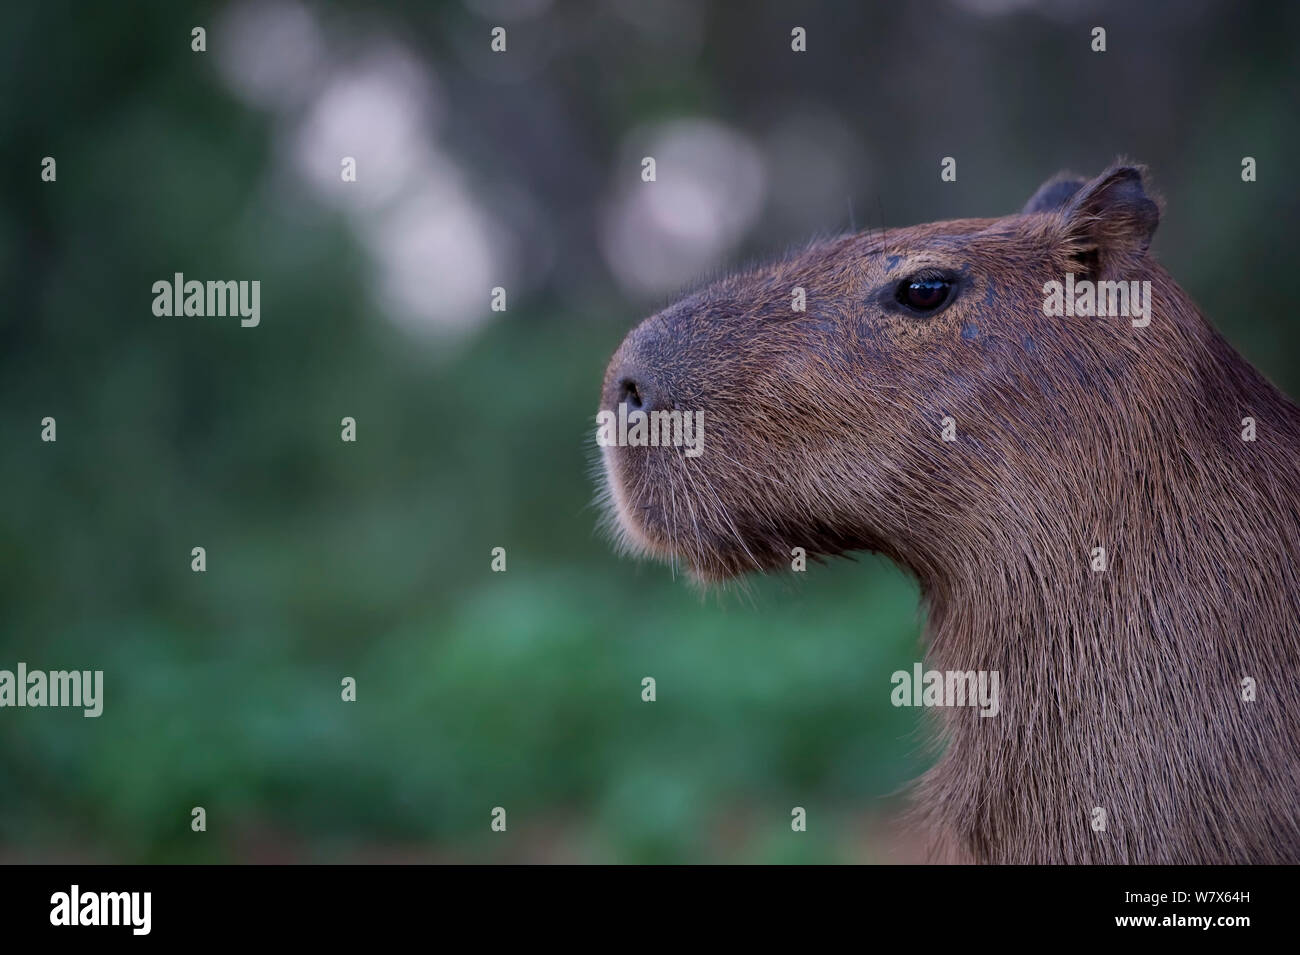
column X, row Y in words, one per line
column 924, row 293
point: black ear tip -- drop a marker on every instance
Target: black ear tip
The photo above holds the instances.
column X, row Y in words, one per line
column 1053, row 194
column 1132, row 177
column 1114, row 212
column 1123, row 184
column 1127, row 174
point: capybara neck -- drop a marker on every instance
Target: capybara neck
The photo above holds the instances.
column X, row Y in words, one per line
column 1127, row 694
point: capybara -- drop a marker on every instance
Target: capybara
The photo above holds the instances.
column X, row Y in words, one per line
column 1099, row 498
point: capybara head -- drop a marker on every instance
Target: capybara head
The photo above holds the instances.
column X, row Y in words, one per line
column 823, row 387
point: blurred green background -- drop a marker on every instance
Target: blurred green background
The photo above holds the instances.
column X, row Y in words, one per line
column 520, row 170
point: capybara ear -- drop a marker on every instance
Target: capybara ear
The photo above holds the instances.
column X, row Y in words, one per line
column 1053, row 194
column 1109, row 222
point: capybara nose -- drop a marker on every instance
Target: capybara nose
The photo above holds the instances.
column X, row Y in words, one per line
column 629, row 393
column 636, row 386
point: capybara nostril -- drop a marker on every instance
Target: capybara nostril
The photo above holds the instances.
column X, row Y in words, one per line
column 636, row 386
column 629, row 393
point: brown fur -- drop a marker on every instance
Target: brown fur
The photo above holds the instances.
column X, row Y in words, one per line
column 1120, row 689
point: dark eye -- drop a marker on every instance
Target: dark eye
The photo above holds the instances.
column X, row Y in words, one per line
column 923, row 293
